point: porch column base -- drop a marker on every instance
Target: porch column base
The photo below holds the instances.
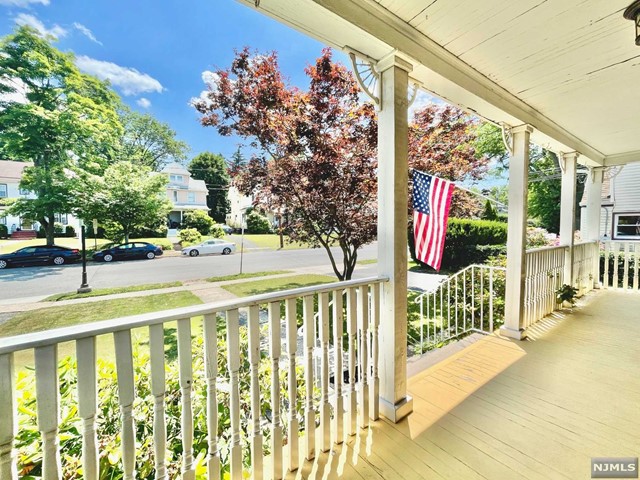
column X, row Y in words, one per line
column 512, row 333
column 396, row 412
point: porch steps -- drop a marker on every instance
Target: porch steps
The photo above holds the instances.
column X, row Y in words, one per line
column 24, row 235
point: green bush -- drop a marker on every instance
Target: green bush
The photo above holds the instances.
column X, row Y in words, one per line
column 468, row 242
column 158, row 231
column 70, row 232
column 29, row 443
column 216, row 231
column 4, row 231
column 199, row 220
column 189, row 235
column 164, row 243
column 257, row 223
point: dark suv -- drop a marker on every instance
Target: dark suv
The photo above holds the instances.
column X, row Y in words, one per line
column 39, row 255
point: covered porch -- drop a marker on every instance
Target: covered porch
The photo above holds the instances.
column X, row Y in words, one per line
column 504, row 409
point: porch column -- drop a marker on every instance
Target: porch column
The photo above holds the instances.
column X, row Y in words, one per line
column 593, row 209
column 392, row 236
column 568, row 163
column 516, row 233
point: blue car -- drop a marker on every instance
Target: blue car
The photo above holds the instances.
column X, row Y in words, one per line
column 39, row 255
column 128, row 251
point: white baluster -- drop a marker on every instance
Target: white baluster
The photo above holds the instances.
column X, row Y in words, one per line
column 338, row 328
column 233, row 359
column 374, row 382
column 158, row 390
column 211, row 365
column 126, row 394
column 605, row 278
column 87, row 405
column 8, row 424
column 47, row 396
column 351, row 417
column 636, row 264
column 625, row 278
column 615, row 265
column 363, row 355
column 186, row 387
column 309, row 344
column 254, row 361
column 275, row 349
column 292, row 348
column 325, row 407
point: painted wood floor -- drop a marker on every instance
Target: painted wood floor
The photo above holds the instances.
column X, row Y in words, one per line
column 501, row 409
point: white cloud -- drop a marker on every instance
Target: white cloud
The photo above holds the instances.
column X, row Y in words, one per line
column 144, row 102
column 129, row 80
column 31, row 21
column 22, row 3
column 86, row 32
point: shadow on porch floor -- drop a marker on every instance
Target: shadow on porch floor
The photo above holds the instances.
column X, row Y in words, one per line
column 501, row 409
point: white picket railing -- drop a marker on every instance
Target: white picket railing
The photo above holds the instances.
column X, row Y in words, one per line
column 627, row 253
column 464, row 302
column 544, row 271
column 586, row 262
column 359, row 345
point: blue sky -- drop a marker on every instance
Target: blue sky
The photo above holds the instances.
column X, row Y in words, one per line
column 154, row 51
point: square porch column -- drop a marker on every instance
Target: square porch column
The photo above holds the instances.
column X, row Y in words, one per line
column 392, row 235
column 593, row 187
column 516, row 233
column 568, row 163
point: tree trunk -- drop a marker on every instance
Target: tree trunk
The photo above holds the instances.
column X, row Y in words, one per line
column 49, row 229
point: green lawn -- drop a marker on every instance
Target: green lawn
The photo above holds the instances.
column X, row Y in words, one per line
column 245, row 289
column 56, row 317
column 100, row 292
column 238, row 276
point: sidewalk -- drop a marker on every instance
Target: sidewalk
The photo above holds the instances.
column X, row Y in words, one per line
column 208, row 292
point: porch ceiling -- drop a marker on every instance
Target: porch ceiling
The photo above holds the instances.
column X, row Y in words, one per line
column 568, row 68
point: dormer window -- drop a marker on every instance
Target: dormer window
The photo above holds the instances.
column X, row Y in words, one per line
column 176, row 178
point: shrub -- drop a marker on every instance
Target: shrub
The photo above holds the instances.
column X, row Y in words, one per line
column 69, row 231
column 257, row 223
column 159, row 231
column 4, row 231
column 216, row 231
column 164, row 243
column 199, row 220
column 58, row 228
column 189, row 235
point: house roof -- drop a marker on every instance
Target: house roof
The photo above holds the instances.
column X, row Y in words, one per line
column 176, row 169
column 567, row 68
column 11, row 169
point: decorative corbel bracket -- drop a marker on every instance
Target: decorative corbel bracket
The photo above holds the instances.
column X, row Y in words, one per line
column 415, row 85
column 507, row 137
column 364, row 68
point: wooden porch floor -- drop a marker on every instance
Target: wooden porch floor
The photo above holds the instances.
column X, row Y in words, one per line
column 501, row 409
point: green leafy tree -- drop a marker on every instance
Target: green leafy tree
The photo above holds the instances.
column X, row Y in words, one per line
column 212, row 168
column 237, row 163
column 149, row 142
column 199, row 220
column 257, row 223
column 66, row 123
column 140, row 201
column 489, row 212
column 545, row 193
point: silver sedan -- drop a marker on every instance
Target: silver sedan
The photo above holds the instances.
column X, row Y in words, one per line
column 208, row 247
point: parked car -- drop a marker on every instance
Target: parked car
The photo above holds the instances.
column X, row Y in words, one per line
column 226, row 228
column 128, row 251
column 215, row 245
column 39, row 255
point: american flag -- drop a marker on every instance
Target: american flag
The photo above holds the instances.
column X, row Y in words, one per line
column 431, row 201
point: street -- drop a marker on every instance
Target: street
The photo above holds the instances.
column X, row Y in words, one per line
column 29, row 282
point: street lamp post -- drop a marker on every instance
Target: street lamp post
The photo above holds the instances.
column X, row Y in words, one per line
column 84, row 287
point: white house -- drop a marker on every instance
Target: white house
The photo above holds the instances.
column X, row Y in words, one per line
column 10, row 176
column 620, row 213
column 238, row 204
column 185, row 193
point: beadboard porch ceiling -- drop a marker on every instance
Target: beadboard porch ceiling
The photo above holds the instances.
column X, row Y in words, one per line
column 570, row 68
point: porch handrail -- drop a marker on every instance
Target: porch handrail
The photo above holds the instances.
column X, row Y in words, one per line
column 332, row 409
column 65, row 334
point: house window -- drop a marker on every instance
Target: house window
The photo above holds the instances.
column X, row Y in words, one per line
column 3, row 190
column 176, row 178
column 175, row 195
column 3, row 219
column 61, row 218
column 626, row 226
column 24, row 191
column 191, row 197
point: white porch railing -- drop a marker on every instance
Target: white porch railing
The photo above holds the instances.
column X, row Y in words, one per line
column 254, row 357
column 471, row 300
column 621, row 265
column 544, row 270
column 586, row 262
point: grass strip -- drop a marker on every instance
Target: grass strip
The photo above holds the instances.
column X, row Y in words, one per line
column 69, row 315
column 239, row 276
column 100, row 292
column 258, row 287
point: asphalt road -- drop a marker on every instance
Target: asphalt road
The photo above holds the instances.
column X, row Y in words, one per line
column 26, row 282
